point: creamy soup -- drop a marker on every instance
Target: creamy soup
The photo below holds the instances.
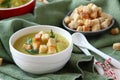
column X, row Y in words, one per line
column 12, row 3
column 41, row 43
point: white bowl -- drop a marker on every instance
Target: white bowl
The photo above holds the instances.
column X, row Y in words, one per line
column 40, row 64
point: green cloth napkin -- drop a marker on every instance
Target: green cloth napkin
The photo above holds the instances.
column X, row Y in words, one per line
column 80, row 66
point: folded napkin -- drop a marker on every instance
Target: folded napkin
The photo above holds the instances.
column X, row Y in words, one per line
column 80, row 66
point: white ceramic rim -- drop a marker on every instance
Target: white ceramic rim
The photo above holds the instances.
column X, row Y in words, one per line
column 18, row 6
column 27, row 55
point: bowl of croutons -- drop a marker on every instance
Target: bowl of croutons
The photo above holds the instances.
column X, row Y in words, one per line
column 89, row 20
column 41, row 49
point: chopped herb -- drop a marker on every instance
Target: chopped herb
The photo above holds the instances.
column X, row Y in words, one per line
column 31, row 51
column 52, row 35
column 5, row 3
column 29, row 41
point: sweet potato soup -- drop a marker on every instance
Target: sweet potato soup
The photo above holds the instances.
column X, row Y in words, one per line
column 41, row 43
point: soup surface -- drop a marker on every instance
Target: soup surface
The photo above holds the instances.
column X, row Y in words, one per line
column 12, row 3
column 41, row 43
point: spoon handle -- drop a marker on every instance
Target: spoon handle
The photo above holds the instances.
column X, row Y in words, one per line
column 113, row 61
column 98, row 68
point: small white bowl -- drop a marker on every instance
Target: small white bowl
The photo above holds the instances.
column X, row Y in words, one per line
column 41, row 64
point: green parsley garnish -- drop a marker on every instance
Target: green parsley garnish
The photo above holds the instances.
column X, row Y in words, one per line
column 52, row 35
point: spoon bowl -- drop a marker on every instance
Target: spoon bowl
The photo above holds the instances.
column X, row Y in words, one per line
column 80, row 40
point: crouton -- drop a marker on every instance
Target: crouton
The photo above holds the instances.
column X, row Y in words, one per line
column 1, row 61
column 51, row 42
column 27, row 47
column 116, row 46
column 43, row 49
column 36, row 45
column 67, row 19
column 114, row 31
column 39, row 35
column 51, row 50
column 45, row 37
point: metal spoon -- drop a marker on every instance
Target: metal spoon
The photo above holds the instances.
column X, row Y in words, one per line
column 80, row 40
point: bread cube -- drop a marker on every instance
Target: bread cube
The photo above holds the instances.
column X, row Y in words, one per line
column 94, row 7
column 101, row 19
column 76, row 16
column 96, row 11
column 96, row 27
column 80, row 28
column 95, row 22
column 84, row 15
column 115, row 31
column 87, row 22
column 90, row 5
column 99, row 11
column 27, row 46
column 106, row 16
column 51, row 42
column 86, row 29
column 72, row 25
column 43, row 49
column 80, row 22
column 116, row 46
column 1, row 61
column 39, row 35
column 51, row 50
column 80, row 9
column 36, row 45
column 67, row 19
column 108, row 21
column 45, row 37
column 86, row 9
column 105, row 24
column 94, row 15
